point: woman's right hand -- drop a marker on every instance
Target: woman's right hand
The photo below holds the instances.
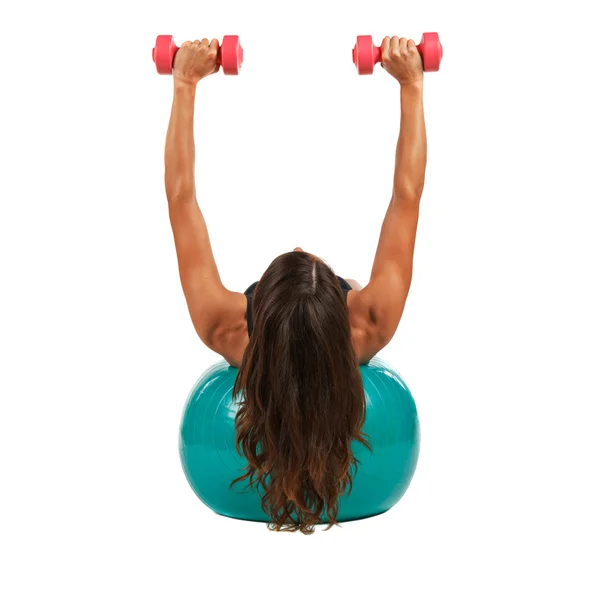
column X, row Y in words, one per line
column 401, row 59
column 196, row 60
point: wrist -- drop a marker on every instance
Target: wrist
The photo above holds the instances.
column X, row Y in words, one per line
column 184, row 86
column 412, row 87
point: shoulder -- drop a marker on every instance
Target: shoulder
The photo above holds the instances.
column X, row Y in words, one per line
column 368, row 334
column 229, row 337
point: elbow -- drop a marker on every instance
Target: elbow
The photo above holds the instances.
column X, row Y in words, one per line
column 179, row 185
column 412, row 199
column 409, row 194
column 180, row 194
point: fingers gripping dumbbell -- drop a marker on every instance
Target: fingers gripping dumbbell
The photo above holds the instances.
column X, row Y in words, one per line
column 365, row 56
column 231, row 54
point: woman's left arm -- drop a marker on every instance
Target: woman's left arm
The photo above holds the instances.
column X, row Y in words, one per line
column 212, row 307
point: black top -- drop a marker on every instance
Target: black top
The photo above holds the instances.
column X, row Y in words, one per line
column 249, row 293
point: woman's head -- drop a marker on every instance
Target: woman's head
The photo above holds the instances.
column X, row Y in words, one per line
column 302, row 396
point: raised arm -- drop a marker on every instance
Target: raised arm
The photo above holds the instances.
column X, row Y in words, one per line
column 210, row 304
column 382, row 300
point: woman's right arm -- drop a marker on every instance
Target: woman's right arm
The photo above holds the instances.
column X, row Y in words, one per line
column 382, row 300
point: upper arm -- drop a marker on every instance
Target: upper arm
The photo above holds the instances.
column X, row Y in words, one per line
column 384, row 297
column 212, row 307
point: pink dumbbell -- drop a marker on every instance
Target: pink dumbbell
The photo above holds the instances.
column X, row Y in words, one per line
column 365, row 56
column 231, row 54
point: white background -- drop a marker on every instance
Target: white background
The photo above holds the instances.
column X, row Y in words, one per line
column 499, row 340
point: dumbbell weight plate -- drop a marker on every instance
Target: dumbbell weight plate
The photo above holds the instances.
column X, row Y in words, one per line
column 232, row 55
column 163, row 53
column 363, row 55
column 431, row 51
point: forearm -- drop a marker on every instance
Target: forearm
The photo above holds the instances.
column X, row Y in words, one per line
column 179, row 147
column 411, row 150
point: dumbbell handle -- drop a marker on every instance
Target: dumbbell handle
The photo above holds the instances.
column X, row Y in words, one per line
column 377, row 53
column 176, row 49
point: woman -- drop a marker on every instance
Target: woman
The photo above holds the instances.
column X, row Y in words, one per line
column 299, row 334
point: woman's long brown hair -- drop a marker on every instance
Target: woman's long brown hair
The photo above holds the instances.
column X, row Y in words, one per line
column 302, row 400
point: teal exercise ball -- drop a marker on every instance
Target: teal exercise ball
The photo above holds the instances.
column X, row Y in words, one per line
column 210, row 460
